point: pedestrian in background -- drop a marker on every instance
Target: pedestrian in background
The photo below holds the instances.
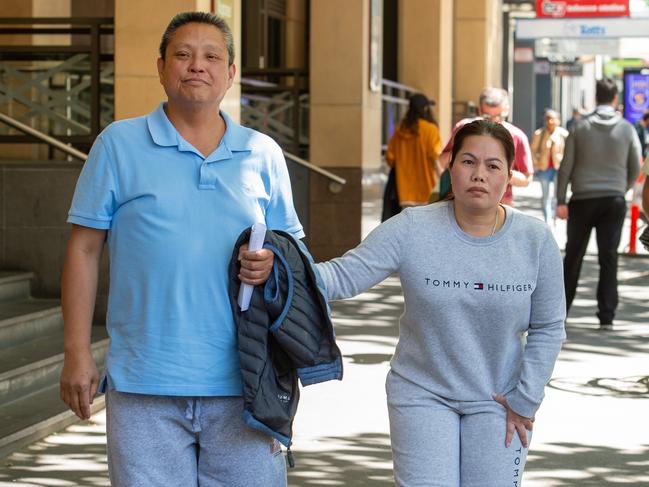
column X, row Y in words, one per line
column 644, row 237
column 575, row 117
column 601, row 163
column 641, row 127
column 547, row 147
column 413, row 152
column 493, row 105
column 477, row 276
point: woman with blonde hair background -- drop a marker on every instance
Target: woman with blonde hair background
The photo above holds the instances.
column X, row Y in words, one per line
column 548, row 144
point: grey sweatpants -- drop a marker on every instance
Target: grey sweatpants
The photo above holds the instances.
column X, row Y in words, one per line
column 440, row 443
column 160, row 441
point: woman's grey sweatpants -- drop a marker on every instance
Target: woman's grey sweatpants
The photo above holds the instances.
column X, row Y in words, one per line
column 183, row 441
column 441, row 443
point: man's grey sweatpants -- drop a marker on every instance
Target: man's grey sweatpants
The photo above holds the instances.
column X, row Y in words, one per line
column 441, row 443
column 183, row 441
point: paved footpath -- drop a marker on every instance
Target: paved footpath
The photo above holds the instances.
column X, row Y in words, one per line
column 592, row 430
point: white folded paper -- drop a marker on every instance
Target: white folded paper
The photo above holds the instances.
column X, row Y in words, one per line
column 256, row 242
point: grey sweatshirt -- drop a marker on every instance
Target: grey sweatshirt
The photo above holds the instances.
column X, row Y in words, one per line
column 602, row 157
column 468, row 302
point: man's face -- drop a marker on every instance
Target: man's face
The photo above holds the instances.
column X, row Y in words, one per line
column 195, row 69
column 491, row 113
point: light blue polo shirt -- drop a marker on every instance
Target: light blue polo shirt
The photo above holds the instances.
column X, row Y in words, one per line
column 173, row 218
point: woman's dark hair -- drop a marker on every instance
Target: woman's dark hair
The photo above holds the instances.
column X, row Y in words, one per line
column 490, row 129
column 184, row 18
column 418, row 107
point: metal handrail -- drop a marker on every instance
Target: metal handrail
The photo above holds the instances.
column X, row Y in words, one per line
column 314, row 168
column 12, row 122
column 399, row 86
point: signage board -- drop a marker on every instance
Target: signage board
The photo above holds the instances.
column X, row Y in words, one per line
column 561, row 9
column 636, row 93
column 568, row 69
column 581, row 28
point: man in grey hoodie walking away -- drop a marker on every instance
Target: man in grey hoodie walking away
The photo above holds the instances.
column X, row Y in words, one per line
column 601, row 163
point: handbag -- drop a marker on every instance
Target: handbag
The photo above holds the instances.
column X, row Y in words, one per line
column 391, row 204
column 644, row 237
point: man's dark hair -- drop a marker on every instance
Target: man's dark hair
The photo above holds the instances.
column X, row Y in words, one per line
column 605, row 91
column 184, row 18
column 645, row 116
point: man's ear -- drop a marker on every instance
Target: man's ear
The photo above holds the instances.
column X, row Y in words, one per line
column 161, row 65
column 232, row 71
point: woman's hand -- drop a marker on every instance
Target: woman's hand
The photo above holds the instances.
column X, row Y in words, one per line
column 255, row 265
column 515, row 422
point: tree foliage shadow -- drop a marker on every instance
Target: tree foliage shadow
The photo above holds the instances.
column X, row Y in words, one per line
column 354, row 461
column 570, row 464
column 374, row 313
column 62, row 463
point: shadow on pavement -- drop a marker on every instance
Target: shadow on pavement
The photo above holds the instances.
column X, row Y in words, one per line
column 373, row 316
column 588, row 465
column 361, row 460
column 74, row 458
column 582, row 324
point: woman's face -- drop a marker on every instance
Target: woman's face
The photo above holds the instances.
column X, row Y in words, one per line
column 551, row 123
column 479, row 174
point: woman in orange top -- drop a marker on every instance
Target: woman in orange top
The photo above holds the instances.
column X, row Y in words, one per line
column 413, row 152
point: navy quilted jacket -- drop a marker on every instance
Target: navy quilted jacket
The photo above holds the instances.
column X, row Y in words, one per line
column 285, row 335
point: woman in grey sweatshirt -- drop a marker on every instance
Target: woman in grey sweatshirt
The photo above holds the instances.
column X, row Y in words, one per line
column 483, row 321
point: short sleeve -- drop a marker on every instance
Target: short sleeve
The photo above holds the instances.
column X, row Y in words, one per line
column 433, row 147
column 280, row 212
column 523, row 157
column 95, row 201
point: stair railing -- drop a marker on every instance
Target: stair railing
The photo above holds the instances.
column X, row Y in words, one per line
column 57, row 144
column 335, row 186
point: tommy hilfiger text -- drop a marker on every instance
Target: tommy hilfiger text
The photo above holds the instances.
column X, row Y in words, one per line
column 479, row 286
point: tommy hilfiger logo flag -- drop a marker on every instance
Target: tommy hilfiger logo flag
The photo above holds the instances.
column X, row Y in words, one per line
column 478, row 286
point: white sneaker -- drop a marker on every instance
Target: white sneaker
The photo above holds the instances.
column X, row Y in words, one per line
column 606, row 327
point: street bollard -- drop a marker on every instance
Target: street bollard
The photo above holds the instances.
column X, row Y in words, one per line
column 635, row 214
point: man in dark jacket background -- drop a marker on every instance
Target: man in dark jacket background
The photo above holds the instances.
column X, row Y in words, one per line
column 641, row 127
column 601, row 163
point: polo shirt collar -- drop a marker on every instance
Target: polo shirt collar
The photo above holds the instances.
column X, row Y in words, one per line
column 235, row 139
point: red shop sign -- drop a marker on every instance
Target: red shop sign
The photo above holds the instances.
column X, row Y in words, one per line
column 560, row 9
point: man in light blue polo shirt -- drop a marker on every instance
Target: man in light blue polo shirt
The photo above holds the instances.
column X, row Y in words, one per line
column 170, row 193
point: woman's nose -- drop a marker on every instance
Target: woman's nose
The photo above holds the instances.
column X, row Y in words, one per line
column 477, row 173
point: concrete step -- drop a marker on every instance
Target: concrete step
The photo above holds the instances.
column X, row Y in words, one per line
column 30, row 404
column 14, row 285
column 20, row 321
column 36, row 364
column 34, row 417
